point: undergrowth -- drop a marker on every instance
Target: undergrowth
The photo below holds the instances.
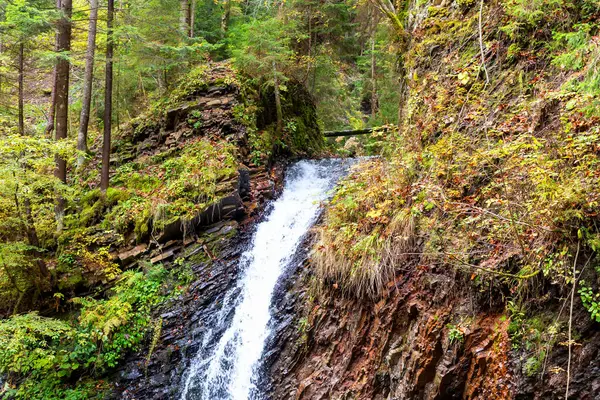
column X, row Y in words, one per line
column 50, row 358
column 153, row 191
column 498, row 180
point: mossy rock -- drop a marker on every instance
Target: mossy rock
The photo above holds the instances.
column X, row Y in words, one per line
column 302, row 135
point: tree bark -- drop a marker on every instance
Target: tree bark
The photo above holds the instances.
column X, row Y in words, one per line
column 225, row 17
column 184, row 17
column 192, row 17
column 278, row 107
column 84, row 118
column 62, row 99
column 21, row 73
column 373, row 81
column 104, row 178
column 52, row 111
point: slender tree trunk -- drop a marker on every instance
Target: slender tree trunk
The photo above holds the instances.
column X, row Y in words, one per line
column 225, row 17
column 184, row 17
column 62, row 99
column 52, row 111
column 373, row 81
column 104, row 178
column 1, row 51
column 309, row 52
column 192, row 18
column 21, row 73
column 84, row 118
column 29, row 223
column 278, row 108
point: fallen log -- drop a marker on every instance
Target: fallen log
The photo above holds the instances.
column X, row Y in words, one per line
column 365, row 131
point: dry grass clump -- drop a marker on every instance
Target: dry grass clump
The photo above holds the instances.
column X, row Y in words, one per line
column 367, row 233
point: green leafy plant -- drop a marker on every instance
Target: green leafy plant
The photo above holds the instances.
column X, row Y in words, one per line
column 455, row 334
column 590, row 300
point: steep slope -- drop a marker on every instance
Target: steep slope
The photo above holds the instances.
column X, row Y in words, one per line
column 463, row 263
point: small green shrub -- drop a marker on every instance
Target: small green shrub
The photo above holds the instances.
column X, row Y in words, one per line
column 590, row 300
column 455, row 334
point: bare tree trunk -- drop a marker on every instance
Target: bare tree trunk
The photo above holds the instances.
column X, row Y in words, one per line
column 278, row 108
column 21, row 73
column 184, row 17
column 104, row 178
column 62, row 99
column 52, row 111
column 192, row 17
column 225, row 17
column 373, row 81
column 84, row 118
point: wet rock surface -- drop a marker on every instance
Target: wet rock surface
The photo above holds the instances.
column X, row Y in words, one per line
column 430, row 338
column 159, row 374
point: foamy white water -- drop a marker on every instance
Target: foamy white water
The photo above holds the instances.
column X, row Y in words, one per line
column 229, row 369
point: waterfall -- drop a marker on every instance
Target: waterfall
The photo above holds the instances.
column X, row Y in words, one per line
column 227, row 363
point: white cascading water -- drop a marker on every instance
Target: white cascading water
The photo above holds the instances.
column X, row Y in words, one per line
column 226, row 368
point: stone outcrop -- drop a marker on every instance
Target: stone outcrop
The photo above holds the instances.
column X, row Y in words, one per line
column 207, row 111
column 213, row 255
column 432, row 337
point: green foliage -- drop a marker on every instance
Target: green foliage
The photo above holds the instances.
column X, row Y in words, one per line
column 534, row 336
column 533, row 365
column 42, row 357
column 455, row 334
column 41, row 349
column 526, row 15
column 28, row 342
column 261, row 49
column 180, row 186
column 27, row 194
column 590, row 300
column 576, row 46
column 26, row 174
column 17, row 274
column 118, row 324
column 26, row 19
column 195, row 81
column 152, row 52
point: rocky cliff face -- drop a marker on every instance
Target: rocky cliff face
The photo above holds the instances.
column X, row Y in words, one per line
column 431, row 337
